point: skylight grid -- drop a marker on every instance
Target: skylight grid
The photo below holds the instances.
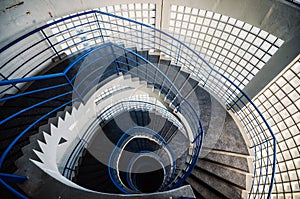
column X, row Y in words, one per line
column 235, row 48
column 141, row 12
column 76, row 33
column 279, row 102
column 115, row 28
column 82, row 32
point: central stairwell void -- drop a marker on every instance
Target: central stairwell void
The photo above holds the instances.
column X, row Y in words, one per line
column 103, row 113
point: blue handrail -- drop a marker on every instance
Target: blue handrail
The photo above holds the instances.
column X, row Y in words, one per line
column 130, row 132
column 179, row 51
column 111, row 71
column 150, row 153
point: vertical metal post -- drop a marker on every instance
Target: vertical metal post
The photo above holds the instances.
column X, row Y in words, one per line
column 74, row 89
column 116, row 63
column 100, row 29
column 14, row 85
column 178, row 54
column 178, row 108
column 51, row 44
column 142, row 37
column 209, row 74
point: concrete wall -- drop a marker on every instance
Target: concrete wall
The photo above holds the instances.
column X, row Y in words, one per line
column 275, row 16
column 18, row 18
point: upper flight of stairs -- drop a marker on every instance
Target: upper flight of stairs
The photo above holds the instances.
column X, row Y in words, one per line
column 222, row 170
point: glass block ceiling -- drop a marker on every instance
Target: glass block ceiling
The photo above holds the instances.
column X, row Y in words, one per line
column 88, row 27
column 235, row 48
column 141, row 12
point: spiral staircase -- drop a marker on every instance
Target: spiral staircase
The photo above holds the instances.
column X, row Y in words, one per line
column 127, row 117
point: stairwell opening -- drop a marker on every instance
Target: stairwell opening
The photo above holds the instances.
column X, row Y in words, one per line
column 147, row 174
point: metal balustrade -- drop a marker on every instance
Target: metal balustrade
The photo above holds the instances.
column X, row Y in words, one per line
column 188, row 112
column 132, row 133
column 112, row 111
column 81, row 94
column 129, row 104
column 22, row 60
column 134, row 158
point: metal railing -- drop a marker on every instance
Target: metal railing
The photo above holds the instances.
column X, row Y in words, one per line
column 128, row 104
column 24, row 58
column 123, row 141
column 76, row 82
column 106, row 115
column 129, row 179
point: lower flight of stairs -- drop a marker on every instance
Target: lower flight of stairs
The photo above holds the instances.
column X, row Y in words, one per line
column 222, row 170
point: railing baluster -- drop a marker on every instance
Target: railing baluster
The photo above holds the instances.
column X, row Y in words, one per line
column 51, row 44
column 73, row 88
column 142, row 37
column 178, row 51
column 100, row 29
column 115, row 62
column 178, row 54
column 14, row 85
column 209, row 74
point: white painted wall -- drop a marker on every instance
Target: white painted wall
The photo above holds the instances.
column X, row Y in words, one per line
column 275, row 16
column 14, row 22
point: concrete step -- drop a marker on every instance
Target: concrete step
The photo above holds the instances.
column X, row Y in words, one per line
column 143, row 53
column 234, row 176
column 172, row 72
column 167, row 125
column 164, row 61
column 154, row 58
column 202, row 190
column 189, row 87
column 233, row 160
column 181, row 79
column 218, row 184
column 171, row 132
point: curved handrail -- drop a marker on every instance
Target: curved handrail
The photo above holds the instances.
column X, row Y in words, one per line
column 70, row 164
column 109, row 109
column 198, row 129
column 91, row 72
column 239, row 96
column 133, row 159
column 131, row 132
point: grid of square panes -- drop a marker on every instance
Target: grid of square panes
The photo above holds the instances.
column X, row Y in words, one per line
column 76, row 33
column 81, row 32
column 141, row 12
column 261, row 142
column 124, row 32
column 279, row 103
column 235, row 48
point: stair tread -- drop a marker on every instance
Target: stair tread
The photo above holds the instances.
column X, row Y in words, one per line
column 218, row 184
column 230, row 175
column 225, row 158
column 202, row 189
